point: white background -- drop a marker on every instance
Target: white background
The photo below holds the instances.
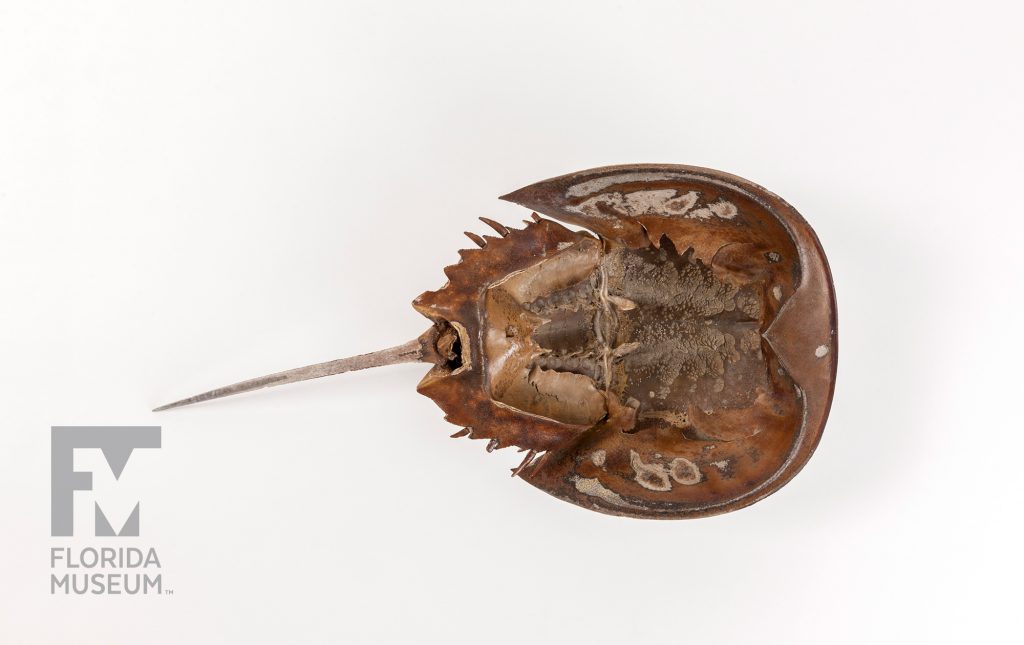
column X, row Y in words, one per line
column 197, row 192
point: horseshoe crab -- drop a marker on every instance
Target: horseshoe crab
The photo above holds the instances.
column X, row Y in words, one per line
column 675, row 359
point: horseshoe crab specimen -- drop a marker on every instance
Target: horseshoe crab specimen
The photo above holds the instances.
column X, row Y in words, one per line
column 677, row 360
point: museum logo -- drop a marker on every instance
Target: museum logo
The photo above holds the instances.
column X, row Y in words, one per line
column 98, row 569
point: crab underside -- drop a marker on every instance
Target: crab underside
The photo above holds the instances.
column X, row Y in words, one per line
column 676, row 359
column 662, row 364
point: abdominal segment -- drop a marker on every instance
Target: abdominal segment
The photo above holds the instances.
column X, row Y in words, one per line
column 600, row 332
column 657, row 358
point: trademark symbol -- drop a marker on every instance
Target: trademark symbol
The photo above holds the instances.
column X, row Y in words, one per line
column 168, row 592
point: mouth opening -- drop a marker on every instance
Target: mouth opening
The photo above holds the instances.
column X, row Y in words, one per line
column 451, row 346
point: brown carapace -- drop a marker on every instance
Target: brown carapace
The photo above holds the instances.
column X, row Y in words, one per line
column 675, row 360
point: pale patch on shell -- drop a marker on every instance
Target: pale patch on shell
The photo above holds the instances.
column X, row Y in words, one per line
column 684, row 471
column 724, row 209
column 821, row 351
column 681, row 205
column 777, row 292
column 650, row 476
column 641, row 202
column 598, row 457
column 594, row 488
column 721, row 208
column 592, row 186
column 663, row 202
